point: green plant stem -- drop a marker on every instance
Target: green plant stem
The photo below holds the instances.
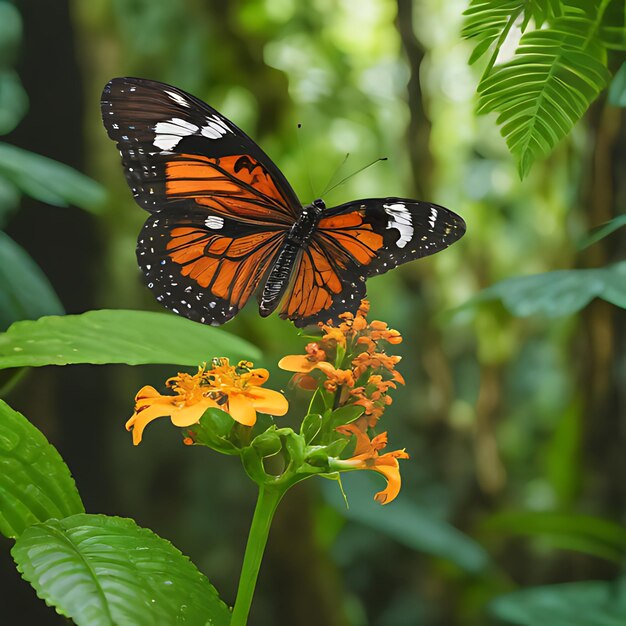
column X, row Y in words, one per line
column 268, row 500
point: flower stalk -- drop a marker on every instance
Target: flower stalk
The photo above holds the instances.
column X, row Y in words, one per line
column 269, row 497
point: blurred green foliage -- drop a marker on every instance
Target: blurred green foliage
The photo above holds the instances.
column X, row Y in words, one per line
column 25, row 292
column 513, row 415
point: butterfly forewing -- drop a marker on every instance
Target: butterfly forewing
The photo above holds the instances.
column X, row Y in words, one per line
column 382, row 233
column 174, row 145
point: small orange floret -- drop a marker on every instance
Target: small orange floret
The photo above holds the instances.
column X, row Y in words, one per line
column 366, row 457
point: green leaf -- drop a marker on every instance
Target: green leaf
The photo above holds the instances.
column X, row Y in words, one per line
column 35, row 483
column 556, row 73
column 589, row 603
column 486, row 21
column 118, row 336
column 603, row 231
column 13, row 101
column 107, row 571
column 268, row 443
column 345, row 415
column 559, row 293
column 48, row 180
column 25, row 292
column 311, row 425
column 407, row 523
column 213, row 430
column 582, row 533
column 617, row 90
column 10, row 33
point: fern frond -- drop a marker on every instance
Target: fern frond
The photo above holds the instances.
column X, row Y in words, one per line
column 557, row 72
column 489, row 21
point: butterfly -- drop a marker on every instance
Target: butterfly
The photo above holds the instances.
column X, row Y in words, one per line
column 225, row 223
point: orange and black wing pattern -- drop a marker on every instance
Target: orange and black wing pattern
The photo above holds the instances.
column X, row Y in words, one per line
column 358, row 240
column 177, row 149
column 220, row 207
column 205, row 267
column 225, row 222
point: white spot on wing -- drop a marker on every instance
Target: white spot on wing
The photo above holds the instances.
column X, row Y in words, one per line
column 215, row 128
column 400, row 219
column 433, row 217
column 170, row 132
column 177, row 98
column 214, row 222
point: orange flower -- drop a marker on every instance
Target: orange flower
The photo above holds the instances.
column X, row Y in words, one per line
column 304, row 363
column 366, row 457
column 185, row 408
column 236, row 390
column 338, row 378
column 242, row 387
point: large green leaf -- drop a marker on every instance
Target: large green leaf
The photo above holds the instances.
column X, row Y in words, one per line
column 617, row 90
column 118, row 336
column 590, row 603
column 10, row 33
column 48, row 180
column 107, row 571
column 25, row 292
column 35, row 483
column 13, row 101
column 557, row 293
column 556, row 73
column 405, row 522
column 582, row 533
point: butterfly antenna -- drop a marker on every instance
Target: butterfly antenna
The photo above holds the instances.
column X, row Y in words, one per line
column 343, row 180
column 335, row 174
column 308, row 170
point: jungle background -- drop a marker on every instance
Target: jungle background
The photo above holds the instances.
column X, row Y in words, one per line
column 513, row 412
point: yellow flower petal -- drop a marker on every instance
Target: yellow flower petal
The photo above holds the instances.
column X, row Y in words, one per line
column 296, row 363
column 241, row 409
column 188, row 415
column 256, row 377
column 143, row 417
column 268, row 401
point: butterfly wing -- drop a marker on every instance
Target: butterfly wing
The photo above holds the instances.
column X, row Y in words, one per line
column 205, row 268
column 176, row 148
column 360, row 239
column 220, row 207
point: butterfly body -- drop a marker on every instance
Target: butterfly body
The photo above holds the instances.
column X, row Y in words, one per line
column 225, row 223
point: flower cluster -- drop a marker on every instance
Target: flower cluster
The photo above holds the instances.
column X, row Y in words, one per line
column 350, row 362
column 352, row 376
column 362, row 373
column 235, row 389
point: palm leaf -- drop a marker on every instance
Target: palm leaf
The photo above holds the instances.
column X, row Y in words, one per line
column 556, row 73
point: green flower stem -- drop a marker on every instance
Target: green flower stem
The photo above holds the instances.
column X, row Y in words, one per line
column 269, row 497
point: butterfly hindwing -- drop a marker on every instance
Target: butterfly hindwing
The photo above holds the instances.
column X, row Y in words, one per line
column 360, row 239
column 175, row 146
column 321, row 286
column 205, row 267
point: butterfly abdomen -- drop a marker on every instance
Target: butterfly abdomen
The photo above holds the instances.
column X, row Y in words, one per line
column 296, row 240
